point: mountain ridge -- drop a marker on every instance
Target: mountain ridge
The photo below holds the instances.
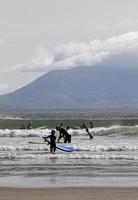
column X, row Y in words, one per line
column 80, row 87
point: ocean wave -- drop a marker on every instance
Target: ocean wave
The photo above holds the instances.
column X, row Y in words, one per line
column 106, row 148
column 24, row 148
column 116, row 131
column 98, row 131
column 23, row 133
column 14, row 155
column 77, row 148
column 109, row 131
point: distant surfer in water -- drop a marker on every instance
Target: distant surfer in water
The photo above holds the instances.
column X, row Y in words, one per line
column 61, row 125
column 29, row 125
column 91, row 124
column 23, row 127
column 52, row 141
column 83, row 125
column 63, row 133
column 90, row 134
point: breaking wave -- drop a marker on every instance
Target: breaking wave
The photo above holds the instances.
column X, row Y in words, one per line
column 99, row 131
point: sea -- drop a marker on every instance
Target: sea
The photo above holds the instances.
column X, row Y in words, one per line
column 110, row 159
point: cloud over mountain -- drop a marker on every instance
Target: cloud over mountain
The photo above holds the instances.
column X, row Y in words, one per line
column 80, row 54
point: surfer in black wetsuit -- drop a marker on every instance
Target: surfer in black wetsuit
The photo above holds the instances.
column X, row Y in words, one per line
column 90, row 134
column 52, row 141
column 61, row 125
column 23, row 127
column 68, row 136
column 83, row 125
column 91, row 124
column 63, row 133
column 29, row 125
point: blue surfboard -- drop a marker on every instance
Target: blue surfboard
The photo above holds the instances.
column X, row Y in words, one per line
column 64, row 148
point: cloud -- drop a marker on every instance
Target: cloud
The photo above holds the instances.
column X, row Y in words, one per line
column 40, row 60
column 3, row 42
column 79, row 54
column 4, row 86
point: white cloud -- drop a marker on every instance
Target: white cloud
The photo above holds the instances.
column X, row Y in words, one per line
column 3, row 42
column 78, row 54
column 4, row 86
column 40, row 59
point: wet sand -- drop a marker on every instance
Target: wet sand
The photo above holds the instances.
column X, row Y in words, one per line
column 69, row 194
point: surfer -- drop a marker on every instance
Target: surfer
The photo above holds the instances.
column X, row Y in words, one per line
column 91, row 124
column 52, row 141
column 68, row 136
column 61, row 125
column 23, row 127
column 29, row 125
column 83, row 125
column 63, row 133
column 90, row 134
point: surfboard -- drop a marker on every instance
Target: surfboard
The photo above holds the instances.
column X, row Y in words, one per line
column 41, row 127
column 45, row 138
column 75, row 127
column 38, row 142
column 64, row 148
column 61, row 147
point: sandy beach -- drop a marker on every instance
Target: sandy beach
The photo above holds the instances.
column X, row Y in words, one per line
column 69, row 194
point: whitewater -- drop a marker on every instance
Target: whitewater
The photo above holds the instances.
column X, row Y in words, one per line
column 110, row 159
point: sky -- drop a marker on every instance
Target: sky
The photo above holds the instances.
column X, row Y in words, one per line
column 37, row 36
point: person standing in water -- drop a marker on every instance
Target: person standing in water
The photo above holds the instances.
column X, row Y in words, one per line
column 68, row 136
column 52, row 141
column 29, row 125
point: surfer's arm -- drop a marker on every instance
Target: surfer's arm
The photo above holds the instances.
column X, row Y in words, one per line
column 45, row 138
column 60, row 136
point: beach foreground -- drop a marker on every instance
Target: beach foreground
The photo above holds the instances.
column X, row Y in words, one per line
column 69, row 193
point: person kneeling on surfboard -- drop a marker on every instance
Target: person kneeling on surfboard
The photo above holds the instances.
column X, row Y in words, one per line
column 52, row 141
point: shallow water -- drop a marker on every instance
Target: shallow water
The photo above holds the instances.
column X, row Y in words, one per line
column 110, row 159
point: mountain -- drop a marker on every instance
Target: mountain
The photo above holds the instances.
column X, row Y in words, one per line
column 81, row 87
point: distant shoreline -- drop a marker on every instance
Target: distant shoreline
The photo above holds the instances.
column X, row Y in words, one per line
column 68, row 114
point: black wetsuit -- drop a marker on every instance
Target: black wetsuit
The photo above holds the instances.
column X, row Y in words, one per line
column 52, row 142
column 90, row 134
column 29, row 126
column 63, row 133
column 83, row 126
column 91, row 125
